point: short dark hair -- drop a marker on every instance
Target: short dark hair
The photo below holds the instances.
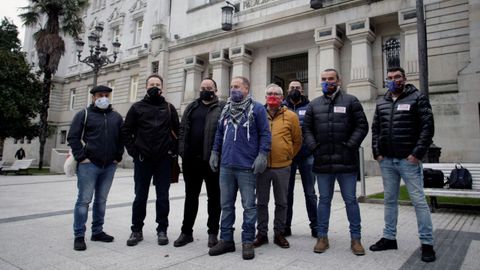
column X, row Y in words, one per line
column 393, row 69
column 334, row 70
column 210, row 79
column 154, row 76
column 245, row 81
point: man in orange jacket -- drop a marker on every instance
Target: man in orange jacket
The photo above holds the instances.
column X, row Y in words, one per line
column 286, row 142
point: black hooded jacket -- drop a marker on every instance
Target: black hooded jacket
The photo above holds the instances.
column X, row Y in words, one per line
column 146, row 132
column 101, row 136
column 402, row 127
column 333, row 130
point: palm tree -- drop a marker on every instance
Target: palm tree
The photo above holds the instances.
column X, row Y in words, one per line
column 62, row 16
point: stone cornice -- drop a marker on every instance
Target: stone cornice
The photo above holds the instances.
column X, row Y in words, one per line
column 284, row 17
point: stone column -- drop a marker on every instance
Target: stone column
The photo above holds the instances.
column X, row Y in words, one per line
column 407, row 21
column 241, row 57
column 194, row 66
column 362, row 83
column 158, row 49
column 221, row 73
column 329, row 41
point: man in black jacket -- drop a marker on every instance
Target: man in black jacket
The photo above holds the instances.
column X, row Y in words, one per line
column 334, row 127
column 197, row 133
column 150, row 136
column 298, row 102
column 94, row 137
column 402, row 131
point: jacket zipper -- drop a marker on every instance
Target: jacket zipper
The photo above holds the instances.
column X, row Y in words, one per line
column 106, row 138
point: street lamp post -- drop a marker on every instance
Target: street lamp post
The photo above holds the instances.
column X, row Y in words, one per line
column 98, row 54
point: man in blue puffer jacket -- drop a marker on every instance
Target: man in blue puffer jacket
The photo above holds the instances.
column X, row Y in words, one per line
column 243, row 140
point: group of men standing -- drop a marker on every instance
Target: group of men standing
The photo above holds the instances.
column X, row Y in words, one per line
column 243, row 145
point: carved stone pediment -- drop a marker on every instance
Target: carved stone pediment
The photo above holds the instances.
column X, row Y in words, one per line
column 116, row 17
column 138, row 5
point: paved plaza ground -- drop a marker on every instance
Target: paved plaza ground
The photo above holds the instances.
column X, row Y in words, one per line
column 36, row 233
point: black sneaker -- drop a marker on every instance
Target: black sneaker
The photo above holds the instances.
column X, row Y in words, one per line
column 287, row 232
column 162, row 238
column 221, row 248
column 102, row 237
column 182, row 240
column 79, row 243
column 135, row 237
column 428, row 254
column 248, row 252
column 384, row 244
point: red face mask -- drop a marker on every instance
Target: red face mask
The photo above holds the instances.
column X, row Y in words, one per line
column 274, row 101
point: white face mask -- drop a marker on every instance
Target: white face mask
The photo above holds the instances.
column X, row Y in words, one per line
column 102, row 103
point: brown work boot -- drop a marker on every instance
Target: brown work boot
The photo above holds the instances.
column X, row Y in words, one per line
column 260, row 240
column 280, row 240
column 357, row 247
column 322, row 245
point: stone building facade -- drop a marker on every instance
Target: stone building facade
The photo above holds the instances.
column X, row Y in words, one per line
column 280, row 40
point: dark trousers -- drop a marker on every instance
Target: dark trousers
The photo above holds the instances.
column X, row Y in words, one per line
column 144, row 170
column 195, row 170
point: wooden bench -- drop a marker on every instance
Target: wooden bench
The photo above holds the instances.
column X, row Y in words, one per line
column 18, row 166
column 446, row 168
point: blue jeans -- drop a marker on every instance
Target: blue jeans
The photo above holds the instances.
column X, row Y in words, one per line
column 412, row 174
column 92, row 179
column 304, row 165
column 348, row 184
column 231, row 180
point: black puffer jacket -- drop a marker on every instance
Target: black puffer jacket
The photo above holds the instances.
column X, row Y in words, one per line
column 333, row 130
column 404, row 126
column 211, row 123
column 147, row 129
column 101, row 136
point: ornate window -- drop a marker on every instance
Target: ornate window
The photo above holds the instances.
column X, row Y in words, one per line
column 391, row 48
column 71, row 106
column 133, row 88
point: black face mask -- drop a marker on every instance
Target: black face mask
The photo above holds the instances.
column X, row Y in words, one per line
column 154, row 93
column 207, row 95
column 295, row 95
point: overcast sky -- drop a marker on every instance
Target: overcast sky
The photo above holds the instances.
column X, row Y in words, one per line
column 9, row 9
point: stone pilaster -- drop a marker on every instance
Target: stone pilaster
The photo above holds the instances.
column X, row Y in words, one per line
column 362, row 83
column 407, row 20
column 329, row 40
column 241, row 57
column 221, row 73
column 194, row 66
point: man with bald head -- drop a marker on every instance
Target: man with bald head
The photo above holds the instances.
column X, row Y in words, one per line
column 197, row 133
column 242, row 143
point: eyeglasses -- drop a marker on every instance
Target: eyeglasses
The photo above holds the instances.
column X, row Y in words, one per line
column 274, row 94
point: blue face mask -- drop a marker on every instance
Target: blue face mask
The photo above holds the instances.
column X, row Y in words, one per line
column 391, row 85
column 326, row 86
column 236, row 95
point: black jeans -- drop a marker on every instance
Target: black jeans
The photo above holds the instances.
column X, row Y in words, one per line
column 144, row 170
column 195, row 170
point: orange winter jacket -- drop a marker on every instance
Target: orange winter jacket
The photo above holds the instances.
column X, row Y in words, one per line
column 286, row 138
